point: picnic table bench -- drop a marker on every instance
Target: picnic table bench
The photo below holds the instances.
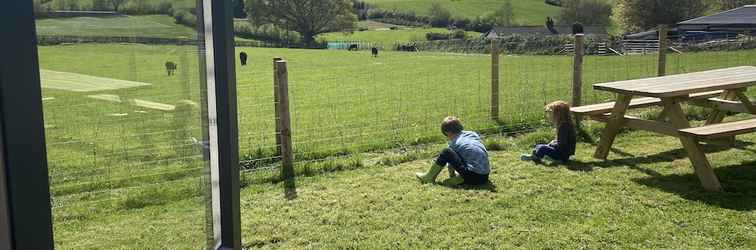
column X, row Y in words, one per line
column 722, row 90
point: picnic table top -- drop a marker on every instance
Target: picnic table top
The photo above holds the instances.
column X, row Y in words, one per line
column 685, row 84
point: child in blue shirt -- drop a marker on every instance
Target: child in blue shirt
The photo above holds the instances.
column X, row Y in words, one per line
column 563, row 147
column 466, row 157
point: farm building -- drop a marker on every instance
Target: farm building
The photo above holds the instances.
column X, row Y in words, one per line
column 717, row 26
column 739, row 20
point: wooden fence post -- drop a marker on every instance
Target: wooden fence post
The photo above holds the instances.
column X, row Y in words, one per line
column 275, row 106
column 577, row 74
column 494, row 80
column 663, row 46
column 284, row 119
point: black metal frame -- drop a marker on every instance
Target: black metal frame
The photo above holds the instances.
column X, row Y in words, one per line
column 24, row 159
column 222, row 122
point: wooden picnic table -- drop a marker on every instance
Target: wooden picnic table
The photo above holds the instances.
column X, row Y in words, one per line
column 669, row 92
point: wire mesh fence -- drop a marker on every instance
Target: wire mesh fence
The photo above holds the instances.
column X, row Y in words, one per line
column 348, row 102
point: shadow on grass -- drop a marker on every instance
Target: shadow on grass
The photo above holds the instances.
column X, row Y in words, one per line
column 489, row 186
column 290, row 188
column 738, row 182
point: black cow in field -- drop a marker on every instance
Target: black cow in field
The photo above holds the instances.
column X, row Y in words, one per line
column 353, row 47
column 375, row 52
column 170, row 67
column 243, row 58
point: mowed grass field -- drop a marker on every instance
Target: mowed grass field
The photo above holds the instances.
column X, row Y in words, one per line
column 161, row 26
column 116, row 163
column 527, row 12
column 645, row 196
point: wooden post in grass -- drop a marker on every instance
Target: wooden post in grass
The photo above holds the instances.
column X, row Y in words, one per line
column 275, row 106
column 284, row 119
column 663, row 45
column 494, row 80
column 577, row 74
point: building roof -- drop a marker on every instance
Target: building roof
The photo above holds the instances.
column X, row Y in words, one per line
column 540, row 30
column 745, row 15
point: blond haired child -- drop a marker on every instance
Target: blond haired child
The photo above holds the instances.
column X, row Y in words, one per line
column 563, row 147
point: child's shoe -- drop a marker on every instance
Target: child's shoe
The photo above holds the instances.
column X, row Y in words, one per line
column 454, row 181
column 430, row 176
column 527, row 157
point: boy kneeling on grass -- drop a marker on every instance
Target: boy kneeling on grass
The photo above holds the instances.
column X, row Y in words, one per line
column 466, row 157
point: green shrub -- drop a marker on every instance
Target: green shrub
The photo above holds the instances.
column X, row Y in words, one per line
column 185, row 18
column 267, row 33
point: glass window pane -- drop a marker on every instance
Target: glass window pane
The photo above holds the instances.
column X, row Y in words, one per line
column 122, row 94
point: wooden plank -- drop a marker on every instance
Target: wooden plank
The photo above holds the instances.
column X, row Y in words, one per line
column 746, row 102
column 690, row 86
column 701, row 164
column 641, row 124
column 613, row 126
column 721, row 105
column 717, row 116
column 653, row 81
column 722, row 129
column 602, row 108
column 683, row 84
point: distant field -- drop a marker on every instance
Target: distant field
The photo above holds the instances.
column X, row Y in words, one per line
column 146, row 26
column 527, row 12
column 387, row 37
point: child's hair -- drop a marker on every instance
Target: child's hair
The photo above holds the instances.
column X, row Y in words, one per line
column 560, row 112
column 451, row 124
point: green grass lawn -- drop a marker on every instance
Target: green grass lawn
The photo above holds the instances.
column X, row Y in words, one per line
column 145, row 26
column 112, row 162
column 527, row 12
column 388, row 37
column 644, row 196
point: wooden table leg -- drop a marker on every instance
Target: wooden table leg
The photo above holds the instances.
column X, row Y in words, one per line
column 701, row 164
column 717, row 116
column 746, row 101
column 613, row 126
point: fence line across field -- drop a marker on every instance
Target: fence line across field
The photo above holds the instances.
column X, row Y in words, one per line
column 392, row 102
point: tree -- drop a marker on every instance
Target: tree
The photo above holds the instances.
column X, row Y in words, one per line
column 116, row 4
column 731, row 4
column 639, row 15
column 309, row 18
column 440, row 16
column 504, row 16
column 587, row 12
column 239, row 11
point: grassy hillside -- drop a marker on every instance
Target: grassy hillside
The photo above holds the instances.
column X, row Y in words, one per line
column 527, row 12
column 147, row 26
